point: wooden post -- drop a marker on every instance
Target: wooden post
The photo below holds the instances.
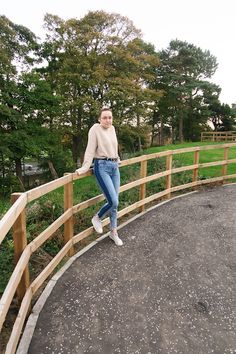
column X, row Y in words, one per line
column 20, row 242
column 69, row 224
column 168, row 178
column 142, row 191
column 225, row 166
column 196, row 162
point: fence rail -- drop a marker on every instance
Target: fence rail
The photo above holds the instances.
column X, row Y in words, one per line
column 19, row 282
column 219, row 136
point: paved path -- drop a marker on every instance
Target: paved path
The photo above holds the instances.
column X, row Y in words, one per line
column 170, row 289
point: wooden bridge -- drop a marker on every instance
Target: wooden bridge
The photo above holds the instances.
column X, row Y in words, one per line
column 19, row 282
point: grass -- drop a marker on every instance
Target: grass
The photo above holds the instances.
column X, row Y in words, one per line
column 205, row 156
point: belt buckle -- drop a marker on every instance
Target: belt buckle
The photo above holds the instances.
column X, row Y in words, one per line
column 110, row 159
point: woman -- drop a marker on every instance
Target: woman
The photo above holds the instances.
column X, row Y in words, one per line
column 102, row 148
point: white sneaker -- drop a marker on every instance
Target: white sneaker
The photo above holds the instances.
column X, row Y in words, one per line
column 97, row 224
column 116, row 239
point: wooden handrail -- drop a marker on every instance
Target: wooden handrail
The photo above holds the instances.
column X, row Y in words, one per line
column 12, row 214
column 14, row 218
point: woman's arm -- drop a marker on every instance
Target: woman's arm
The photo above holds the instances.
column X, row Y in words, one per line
column 89, row 152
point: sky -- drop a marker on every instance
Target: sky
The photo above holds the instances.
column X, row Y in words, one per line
column 208, row 24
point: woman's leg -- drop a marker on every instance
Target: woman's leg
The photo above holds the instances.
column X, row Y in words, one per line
column 104, row 171
column 116, row 183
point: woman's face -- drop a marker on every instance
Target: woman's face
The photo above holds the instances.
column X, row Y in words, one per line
column 106, row 119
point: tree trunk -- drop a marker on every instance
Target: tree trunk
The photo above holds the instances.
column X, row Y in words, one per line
column 77, row 143
column 161, row 132
column 152, row 136
column 153, row 129
column 77, row 149
column 3, row 166
column 181, row 135
column 139, row 144
column 52, row 170
column 19, row 173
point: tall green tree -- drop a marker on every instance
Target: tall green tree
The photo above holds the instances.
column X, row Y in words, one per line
column 222, row 116
column 94, row 61
column 18, row 46
column 27, row 102
column 183, row 76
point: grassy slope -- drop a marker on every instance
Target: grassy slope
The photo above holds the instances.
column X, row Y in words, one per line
column 205, row 156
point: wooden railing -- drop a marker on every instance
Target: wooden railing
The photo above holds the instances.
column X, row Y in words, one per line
column 219, row 136
column 19, row 282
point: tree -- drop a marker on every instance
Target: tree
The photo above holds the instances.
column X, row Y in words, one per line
column 222, row 116
column 28, row 105
column 95, row 61
column 183, row 75
column 17, row 49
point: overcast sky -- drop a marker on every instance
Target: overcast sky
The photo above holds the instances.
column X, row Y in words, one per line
column 209, row 24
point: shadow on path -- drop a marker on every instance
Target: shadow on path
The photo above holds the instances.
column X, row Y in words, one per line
column 170, row 289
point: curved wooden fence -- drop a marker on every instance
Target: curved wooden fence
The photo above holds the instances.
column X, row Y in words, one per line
column 19, row 282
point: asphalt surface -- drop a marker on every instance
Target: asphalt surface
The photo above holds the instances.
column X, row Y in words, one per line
column 170, row 289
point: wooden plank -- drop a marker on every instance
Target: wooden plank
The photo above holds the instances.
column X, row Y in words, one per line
column 184, row 150
column 75, row 176
column 142, row 180
column 132, row 161
column 183, row 168
column 141, row 202
column 87, row 203
column 11, row 215
column 50, row 267
column 18, row 325
column 230, row 176
column 169, row 159
column 48, row 187
column 142, row 190
column 11, row 287
column 156, row 155
column 20, row 242
column 48, row 232
column 209, row 164
column 184, row 186
column 231, row 161
column 210, row 180
column 225, row 166
column 196, row 162
column 85, row 233
column 198, row 183
column 69, row 224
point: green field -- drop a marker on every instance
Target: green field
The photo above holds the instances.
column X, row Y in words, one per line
column 205, row 156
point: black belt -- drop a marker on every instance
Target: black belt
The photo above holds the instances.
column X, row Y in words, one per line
column 106, row 158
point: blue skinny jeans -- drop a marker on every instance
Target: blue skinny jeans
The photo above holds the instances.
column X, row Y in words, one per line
column 108, row 178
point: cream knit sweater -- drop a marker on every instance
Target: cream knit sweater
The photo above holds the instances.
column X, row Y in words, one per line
column 102, row 142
